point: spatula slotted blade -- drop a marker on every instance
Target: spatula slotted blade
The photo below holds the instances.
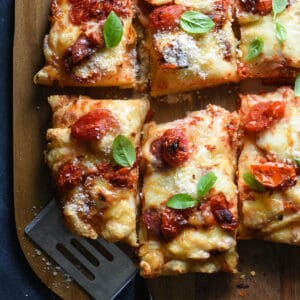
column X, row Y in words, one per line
column 99, row 267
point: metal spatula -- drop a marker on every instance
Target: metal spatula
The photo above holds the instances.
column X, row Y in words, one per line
column 99, row 267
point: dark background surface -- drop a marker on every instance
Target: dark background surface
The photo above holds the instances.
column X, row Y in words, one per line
column 17, row 280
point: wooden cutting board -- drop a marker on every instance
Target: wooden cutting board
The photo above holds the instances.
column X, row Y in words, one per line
column 275, row 268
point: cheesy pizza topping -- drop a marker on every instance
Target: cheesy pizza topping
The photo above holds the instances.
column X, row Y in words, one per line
column 279, row 32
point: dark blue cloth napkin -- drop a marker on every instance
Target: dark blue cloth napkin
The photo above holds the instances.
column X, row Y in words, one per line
column 17, row 280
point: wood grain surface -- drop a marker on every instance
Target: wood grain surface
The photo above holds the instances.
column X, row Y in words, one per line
column 267, row 271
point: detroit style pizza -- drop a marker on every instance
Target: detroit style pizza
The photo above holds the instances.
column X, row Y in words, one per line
column 91, row 43
column 191, row 45
column 269, row 185
column 189, row 198
column 93, row 152
column 269, row 38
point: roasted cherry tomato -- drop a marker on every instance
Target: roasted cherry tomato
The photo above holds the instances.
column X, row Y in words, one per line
column 274, row 175
column 220, row 15
column 152, row 221
column 124, row 177
column 263, row 115
column 69, row 175
column 121, row 7
column 94, row 125
column 262, row 7
column 85, row 10
column 156, row 148
column 221, row 212
column 172, row 222
column 165, row 17
column 84, row 47
column 175, row 147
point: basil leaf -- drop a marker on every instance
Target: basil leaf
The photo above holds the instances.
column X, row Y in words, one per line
column 253, row 183
column 123, row 151
column 255, row 48
column 297, row 86
column 195, row 22
column 205, row 183
column 280, row 32
column 181, row 201
column 297, row 160
column 113, row 30
column 278, row 6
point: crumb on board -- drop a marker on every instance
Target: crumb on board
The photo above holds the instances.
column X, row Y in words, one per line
column 175, row 98
column 253, row 273
column 242, row 293
column 50, row 267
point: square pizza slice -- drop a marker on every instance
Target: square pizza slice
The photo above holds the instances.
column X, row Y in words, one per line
column 269, row 181
column 93, row 153
column 191, row 45
column 91, row 43
column 189, row 198
column 268, row 42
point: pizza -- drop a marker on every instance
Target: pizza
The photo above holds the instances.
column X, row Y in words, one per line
column 91, row 43
column 268, row 181
column 193, row 159
column 183, row 57
column 93, row 152
column 267, row 44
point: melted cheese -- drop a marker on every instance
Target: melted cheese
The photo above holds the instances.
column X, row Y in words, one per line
column 197, row 244
column 283, row 139
column 160, row 185
column 205, row 7
column 265, row 29
column 200, row 59
column 290, row 19
column 276, row 57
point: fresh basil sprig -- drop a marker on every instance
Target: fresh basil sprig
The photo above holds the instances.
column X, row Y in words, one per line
column 195, row 22
column 205, row 183
column 254, row 184
column 255, row 48
column 182, row 201
column 280, row 32
column 297, row 160
column 123, row 151
column 113, row 30
column 278, row 6
column 297, row 86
